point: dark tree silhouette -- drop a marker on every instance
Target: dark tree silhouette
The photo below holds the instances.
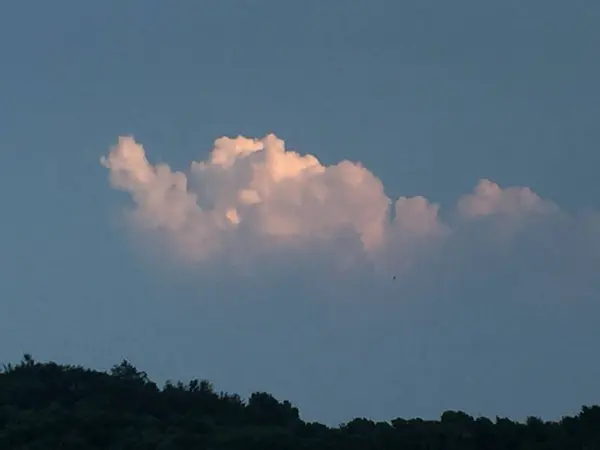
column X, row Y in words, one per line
column 51, row 406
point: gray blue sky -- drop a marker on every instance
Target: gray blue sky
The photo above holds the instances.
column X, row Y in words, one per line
column 495, row 303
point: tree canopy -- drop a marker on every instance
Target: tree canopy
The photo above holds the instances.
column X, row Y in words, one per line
column 50, row 406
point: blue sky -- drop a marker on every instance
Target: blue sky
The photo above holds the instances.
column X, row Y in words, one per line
column 429, row 98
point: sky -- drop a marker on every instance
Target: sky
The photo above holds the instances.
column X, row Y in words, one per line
column 226, row 190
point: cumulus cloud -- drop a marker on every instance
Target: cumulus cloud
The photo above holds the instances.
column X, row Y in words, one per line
column 489, row 199
column 253, row 196
column 248, row 190
column 484, row 292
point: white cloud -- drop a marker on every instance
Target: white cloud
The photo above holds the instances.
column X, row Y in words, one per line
column 250, row 190
column 254, row 196
column 479, row 302
column 489, row 198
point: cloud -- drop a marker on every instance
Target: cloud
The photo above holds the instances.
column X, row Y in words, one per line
column 250, row 191
column 253, row 196
column 299, row 258
column 489, row 199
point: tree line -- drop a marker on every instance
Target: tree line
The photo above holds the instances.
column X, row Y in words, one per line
column 46, row 406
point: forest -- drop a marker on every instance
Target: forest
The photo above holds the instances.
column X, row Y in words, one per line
column 46, row 406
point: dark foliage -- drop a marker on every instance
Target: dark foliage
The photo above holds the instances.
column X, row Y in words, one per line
column 50, row 406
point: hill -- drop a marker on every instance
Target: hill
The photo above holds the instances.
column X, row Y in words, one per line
column 50, row 406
